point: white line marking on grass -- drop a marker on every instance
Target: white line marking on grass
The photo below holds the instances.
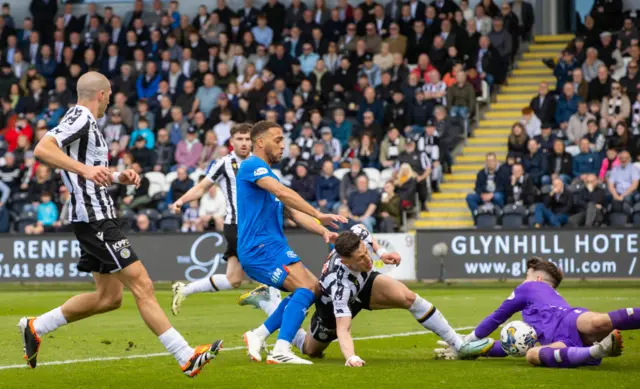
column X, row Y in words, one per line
column 144, row 356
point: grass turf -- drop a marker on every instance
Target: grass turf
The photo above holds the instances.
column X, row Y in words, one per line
column 394, row 362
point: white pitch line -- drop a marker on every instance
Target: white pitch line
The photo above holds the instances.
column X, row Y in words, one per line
column 143, row 356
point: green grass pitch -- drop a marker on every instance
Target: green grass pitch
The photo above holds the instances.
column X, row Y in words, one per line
column 397, row 360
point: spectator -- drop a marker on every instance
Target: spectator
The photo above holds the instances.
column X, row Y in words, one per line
column 190, row 217
column 304, row 183
column 489, row 187
column 591, row 65
column 488, row 62
column 179, row 186
column 531, row 122
column 420, row 110
column 10, row 172
column 544, row 105
column 535, row 163
column 556, row 206
column 623, row 182
column 368, row 152
column 600, row 86
column 39, row 184
column 579, row 84
column 616, row 107
column 546, row 139
column 147, row 84
column 631, row 80
column 348, row 183
column 608, row 163
column 207, row 96
column 135, row 197
column 5, row 191
column 518, row 140
column 47, row 215
column 520, row 189
column 578, row 126
column 406, row 186
column 461, row 97
column 389, row 211
column 564, row 69
column 391, row 148
column 143, row 131
column 142, row 154
column 212, row 210
column 332, row 146
column 590, row 202
column 586, row 162
column 189, row 150
column 421, row 165
column 560, row 163
column 363, row 203
column 223, row 128
column 317, row 159
column 502, row 41
column 143, row 224
column 594, row 136
column 164, row 152
column 327, row 194
column 567, row 105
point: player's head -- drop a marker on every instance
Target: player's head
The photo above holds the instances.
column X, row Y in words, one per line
column 268, row 139
column 353, row 252
column 241, row 139
column 94, row 89
column 540, row 270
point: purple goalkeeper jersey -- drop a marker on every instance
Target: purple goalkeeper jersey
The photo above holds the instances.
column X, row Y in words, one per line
column 542, row 308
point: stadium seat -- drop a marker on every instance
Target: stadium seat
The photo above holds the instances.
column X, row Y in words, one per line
column 635, row 217
column 386, row 175
column 545, row 190
column 127, row 218
column 573, row 188
column 484, row 99
column 620, row 218
column 531, row 213
column 339, row 173
column 195, row 176
column 152, row 214
column 156, row 182
column 18, row 201
column 486, row 217
column 169, row 222
column 25, row 219
column 168, row 179
column 374, row 177
column 513, row 216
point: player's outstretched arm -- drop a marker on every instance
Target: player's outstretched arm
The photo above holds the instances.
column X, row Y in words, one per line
column 310, row 224
column 516, row 302
column 196, row 192
column 343, row 330
column 293, row 201
column 48, row 150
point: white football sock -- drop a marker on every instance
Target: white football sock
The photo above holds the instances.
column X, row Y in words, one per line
column 282, row 347
column 49, row 321
column 215, row 283
column 298, row 340
column 430, row 318
column 262, row 332
column 176, row 345
column 272, row 304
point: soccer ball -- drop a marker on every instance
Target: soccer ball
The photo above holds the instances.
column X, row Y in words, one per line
column 517, row 337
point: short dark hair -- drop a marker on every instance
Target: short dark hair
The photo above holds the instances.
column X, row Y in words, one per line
column 539, row 264
column 261, row 127
column 347, row 243
column 242, row 128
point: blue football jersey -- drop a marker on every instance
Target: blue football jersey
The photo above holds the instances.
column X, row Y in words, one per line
column 260, row 213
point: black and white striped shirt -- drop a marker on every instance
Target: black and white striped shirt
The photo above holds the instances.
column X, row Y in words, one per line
column 223, row 173
column 78, row 136
column 338, row 284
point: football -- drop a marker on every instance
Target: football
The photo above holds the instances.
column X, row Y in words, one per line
column 517, row 337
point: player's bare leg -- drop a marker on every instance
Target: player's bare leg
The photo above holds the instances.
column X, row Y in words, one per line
column 388, row 293
column 136, row 278
column 594, row 326
column 312, row 347
column 557, row 355
column 107, row 297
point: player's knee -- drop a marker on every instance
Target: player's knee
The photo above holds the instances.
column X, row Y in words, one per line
column 409, row 299
column 533, row 356
column 601, row 323
column 234, row 280
column 113, row 303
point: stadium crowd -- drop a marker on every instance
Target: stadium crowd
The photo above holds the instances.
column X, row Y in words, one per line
column 574, row 157
column 373, row 99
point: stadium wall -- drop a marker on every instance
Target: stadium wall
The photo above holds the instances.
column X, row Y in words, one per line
column 167, row 257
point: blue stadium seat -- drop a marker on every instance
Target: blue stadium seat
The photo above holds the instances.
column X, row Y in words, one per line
column 152, row 214
column 513, row 216
column 169, row 222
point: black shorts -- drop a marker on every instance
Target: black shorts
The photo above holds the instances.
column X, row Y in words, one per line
column 231, row 235
column 323, row 321
column 103, row 247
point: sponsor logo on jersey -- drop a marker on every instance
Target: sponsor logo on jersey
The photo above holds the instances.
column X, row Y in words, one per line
column 291, row 254
column 275, row 276
column 260, row 171
column 121, row 244
column 100, row 235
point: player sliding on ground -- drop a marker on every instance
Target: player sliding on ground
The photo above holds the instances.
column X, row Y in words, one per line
column 569, row 336
column 223, row 173
column 263, row 250
column 77, row 147
column 348, row 284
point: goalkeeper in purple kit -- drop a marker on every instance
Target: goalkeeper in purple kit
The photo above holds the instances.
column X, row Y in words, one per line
column 568, row 336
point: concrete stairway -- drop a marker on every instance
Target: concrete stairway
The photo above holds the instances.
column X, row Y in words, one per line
column 448, row 209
